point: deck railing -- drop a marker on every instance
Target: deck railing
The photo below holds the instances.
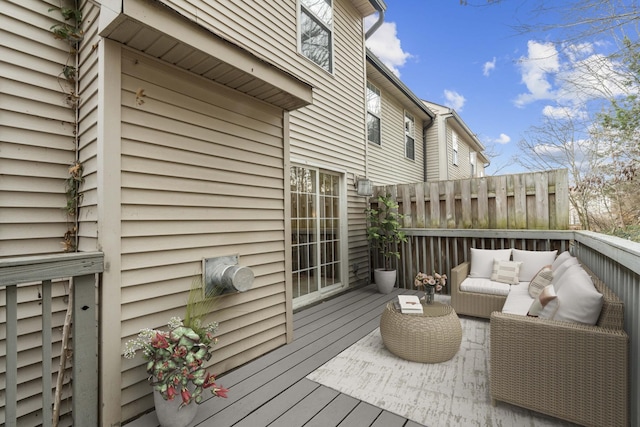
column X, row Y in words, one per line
column 44, row 273
column 616, row 261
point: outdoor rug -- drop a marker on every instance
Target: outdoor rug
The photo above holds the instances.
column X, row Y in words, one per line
column 452, row 393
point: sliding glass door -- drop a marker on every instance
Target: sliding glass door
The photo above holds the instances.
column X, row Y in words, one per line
column 315, row 231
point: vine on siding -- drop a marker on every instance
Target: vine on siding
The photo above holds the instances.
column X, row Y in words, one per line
column 70, row 31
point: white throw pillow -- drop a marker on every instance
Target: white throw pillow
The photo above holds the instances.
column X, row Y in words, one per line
column 547, row 295
column 560, row 259
column 532, row 262
column 578, row 300
column 560, row 270
column 506, row 271
column 540, row 281
column 482, row 261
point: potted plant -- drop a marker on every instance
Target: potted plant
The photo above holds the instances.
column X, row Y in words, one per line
column 175, row 361
column 383, row 231
column 431, row 284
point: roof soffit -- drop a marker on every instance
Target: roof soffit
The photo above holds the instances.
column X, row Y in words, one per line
column 152, row 28
column 368, row 7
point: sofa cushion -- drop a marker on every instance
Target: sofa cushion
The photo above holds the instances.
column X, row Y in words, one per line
column 482, row 261
column 557, row 280
column 518, row 301
column 547, row 295
column 578, row 300
column 540, row 281
column 560, row 259
column 532, row 262
column 483, row 285
column 506, row 271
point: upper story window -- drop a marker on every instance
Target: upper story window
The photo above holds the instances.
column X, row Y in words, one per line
column 409, row 139
column 316, row 32
column 472, row 160
column 454, row 142
column 374, row 109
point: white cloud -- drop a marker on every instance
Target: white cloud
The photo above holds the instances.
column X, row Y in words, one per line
column 454, row 100
column 537, row 67
column 385, row 44
column 564, row 112
column 590, row 77
column 576, row 51
column 503, row 139
column 570, row 77
column 488, row 67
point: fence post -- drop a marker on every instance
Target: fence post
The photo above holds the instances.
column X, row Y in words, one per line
column 85, row 352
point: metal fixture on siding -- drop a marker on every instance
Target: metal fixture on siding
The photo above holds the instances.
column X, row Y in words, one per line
column 364, row 186
column 223, row 273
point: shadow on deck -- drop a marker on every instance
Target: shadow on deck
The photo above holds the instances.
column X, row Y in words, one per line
column 272, row 390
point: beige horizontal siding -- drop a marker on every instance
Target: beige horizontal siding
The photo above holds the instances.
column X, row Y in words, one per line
column 36, row 130
column 202, row 176
column 329, row 133
column 88, row 127
column 388, row 163
column 434, row 168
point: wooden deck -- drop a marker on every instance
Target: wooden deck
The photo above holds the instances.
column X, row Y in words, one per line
column 273, row 391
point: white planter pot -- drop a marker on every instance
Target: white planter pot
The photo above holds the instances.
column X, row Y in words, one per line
column 384, row 279
column 169, row 412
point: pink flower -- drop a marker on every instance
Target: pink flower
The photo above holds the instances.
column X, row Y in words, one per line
column 171, row 392
column 209, row 381
column 186, row 396
column 180, row 351
column 159, row 341
column 221, row 392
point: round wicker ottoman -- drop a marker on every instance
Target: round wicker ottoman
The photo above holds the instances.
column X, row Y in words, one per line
column 432, row 337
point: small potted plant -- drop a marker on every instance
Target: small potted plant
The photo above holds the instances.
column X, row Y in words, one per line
column 175, row 361
column 383, row 231
column 431, row 284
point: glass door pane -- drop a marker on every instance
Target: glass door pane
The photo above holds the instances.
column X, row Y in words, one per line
column 315, row 229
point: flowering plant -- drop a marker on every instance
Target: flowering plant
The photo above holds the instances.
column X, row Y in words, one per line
column 175, row 359
column 436, row 281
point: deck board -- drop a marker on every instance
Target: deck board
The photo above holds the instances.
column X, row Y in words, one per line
column 334, row 412
column 273, row 389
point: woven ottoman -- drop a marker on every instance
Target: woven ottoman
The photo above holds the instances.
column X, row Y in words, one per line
column 431, row 337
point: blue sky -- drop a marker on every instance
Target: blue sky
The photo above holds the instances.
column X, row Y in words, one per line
column 471, row 58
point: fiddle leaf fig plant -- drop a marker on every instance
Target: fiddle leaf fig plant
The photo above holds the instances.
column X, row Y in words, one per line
column 383, row 229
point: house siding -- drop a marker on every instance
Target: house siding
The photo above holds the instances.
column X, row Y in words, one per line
column 330, row 133
column 202, row 176
column 36, row 150
column 440, row 165
column 387, row 161
column 36, row 130
column 463, row 169
column 434, row 165
column 176, row 168
column 88, row 128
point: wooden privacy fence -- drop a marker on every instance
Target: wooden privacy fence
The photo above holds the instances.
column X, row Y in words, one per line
column 533, row 201
column 437, row 250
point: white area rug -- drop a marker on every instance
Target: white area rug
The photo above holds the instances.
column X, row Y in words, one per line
column 453, row 393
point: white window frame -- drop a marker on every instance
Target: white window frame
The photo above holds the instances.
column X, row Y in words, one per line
column 302, row 8
column 409, row 135
column 454, row 143
column 377, row 113
column 473, row 159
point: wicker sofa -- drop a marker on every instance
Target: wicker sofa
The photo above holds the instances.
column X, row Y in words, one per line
column 472, row 303
column 571, row 371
